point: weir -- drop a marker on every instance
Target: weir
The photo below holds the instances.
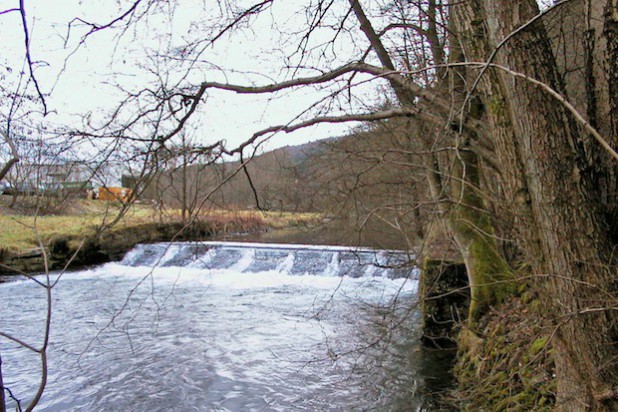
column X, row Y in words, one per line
column 225, row 326
column 291, row 259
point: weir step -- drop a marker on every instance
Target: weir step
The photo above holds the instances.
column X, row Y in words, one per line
column 291, row 259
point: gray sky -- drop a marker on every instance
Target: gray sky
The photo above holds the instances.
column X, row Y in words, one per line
column 79, row 81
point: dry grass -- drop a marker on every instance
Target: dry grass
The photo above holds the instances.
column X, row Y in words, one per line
column 19, row 232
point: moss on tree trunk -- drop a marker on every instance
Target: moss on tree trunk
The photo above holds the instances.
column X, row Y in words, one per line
column 490, row 276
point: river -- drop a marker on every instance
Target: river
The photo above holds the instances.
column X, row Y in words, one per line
column 217, row 326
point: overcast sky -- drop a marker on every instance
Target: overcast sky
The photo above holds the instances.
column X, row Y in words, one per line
column 80, row 81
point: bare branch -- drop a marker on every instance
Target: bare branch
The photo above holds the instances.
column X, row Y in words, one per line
column 256, row 8
column 250, row 180
column 2, row 398
column 22, row 11
column 392, row 76
column 303, row 81
column 22, row 273
column 430, row 97
column 96, row 27
column 8, row 11
column 46, row 334
column 372, row 36
column 407, row 26
column 367, row 117
column 19, row 342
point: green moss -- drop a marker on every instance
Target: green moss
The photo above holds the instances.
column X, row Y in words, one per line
column 504, row 366
column 498, row 332
column 489, row 274
column 497, row 107
column 491, row 281
column 535, row 306
column 526, row 296
column 538, row 345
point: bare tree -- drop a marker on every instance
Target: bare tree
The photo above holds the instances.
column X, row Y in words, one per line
column 507, row 152
column 468, row 121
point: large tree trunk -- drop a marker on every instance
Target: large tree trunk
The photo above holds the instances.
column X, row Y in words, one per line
column 569, row 242
column 488, row 273
column 584, row 35
column 490, row 276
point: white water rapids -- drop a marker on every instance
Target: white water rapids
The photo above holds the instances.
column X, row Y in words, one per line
column 220, row 327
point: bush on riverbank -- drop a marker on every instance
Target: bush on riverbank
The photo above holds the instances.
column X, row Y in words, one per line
column 505, row 360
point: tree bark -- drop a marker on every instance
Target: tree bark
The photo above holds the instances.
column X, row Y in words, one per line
column 608, row 181
column 488, row 273
column 490, row 276
column 569, row 242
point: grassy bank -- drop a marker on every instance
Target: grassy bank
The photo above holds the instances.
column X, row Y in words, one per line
column 84, row 235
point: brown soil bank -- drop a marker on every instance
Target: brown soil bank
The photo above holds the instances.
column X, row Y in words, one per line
column 73, row 251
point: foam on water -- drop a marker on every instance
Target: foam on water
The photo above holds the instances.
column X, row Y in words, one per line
column 204, row 329
column 291, row 259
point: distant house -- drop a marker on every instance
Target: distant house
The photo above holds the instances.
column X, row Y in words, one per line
column 66, row 173
column 30, row 178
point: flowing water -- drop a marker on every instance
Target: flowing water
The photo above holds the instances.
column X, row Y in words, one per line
column 223, row 327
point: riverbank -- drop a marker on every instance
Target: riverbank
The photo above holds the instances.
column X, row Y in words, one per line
column 505, row 360
column 504, row 364
column 30, row 244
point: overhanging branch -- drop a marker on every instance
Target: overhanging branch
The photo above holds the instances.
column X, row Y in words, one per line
column 395, row 77
column 302, row 81
column 363, row 117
